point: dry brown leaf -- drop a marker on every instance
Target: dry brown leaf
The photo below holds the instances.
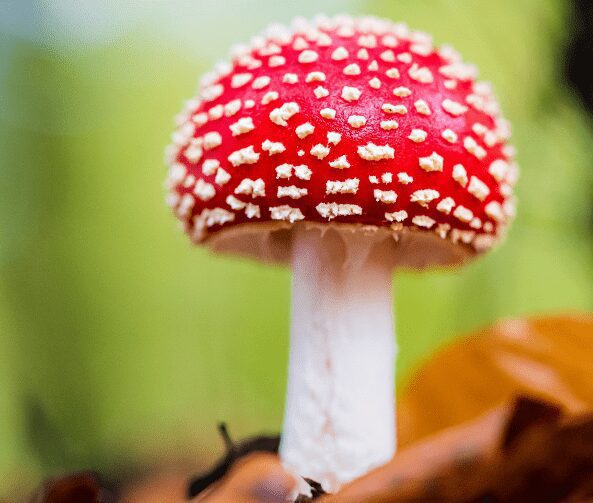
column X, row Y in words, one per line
column 525, row 452
column 548, row 358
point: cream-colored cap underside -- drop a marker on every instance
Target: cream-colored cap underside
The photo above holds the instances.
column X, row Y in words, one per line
column 272, row 242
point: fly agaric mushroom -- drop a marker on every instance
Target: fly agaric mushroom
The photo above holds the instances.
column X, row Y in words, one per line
column 345, row 147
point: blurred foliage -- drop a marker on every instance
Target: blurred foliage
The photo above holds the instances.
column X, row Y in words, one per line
column 118, row 341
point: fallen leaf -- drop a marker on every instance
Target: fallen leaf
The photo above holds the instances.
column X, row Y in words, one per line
column 548, row 358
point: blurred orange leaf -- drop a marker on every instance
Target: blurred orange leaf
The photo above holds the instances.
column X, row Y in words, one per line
column 550, row 358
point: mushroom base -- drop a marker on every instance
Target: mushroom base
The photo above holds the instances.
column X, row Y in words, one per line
column 340, row 411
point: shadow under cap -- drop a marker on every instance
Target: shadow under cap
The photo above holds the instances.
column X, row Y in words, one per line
column 271, row 242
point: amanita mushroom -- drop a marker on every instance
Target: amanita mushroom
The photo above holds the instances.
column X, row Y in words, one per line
column 345, row 147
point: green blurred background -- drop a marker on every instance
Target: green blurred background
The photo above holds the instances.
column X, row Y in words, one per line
column 120, row 344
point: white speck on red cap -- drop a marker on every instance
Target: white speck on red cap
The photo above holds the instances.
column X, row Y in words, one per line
column 304, row 130
column 388, row 56
column 357, row 121
column 404, row 57
column 276, row 61
column 286, row 212
column 462, row 213
column 299, row 44
column 326, row 89
column 372, row 152
column 315, row 77
column 291, row 191
column 209, row 166
column 308, row 56
column 434, row 162
column 321, row 92
column 449, row 135
column 499, row 169
column 473, row 148
column 273, row 147
column 352, row 69
column 424, row 196
column 349, row 186
column 422, row 107
column 418, row 135
column 328, row 113
column 460, row 174
column 245, row 155
column 442, row 230
column 235, row 203
column 269, row 97
column 446, row 205
column 479, row 129
column 303, row 172
column 478, row 188
column 213, row 92
column 204, row 190
column 459, row 71
column 369, row 41
column 396, row 216
column 385, row 196
column 253, row 188
column 212, row 140
column 240, row 79
column 340, row 163
column 389, row 41
column 421, row 49
column 216, row 112
column 232, row 107
column 375, row 83
column 475, row 223
column 390, row 108
column 453, row 107
column 334, row 137
column 362, row 54
column 194, row 152
column 495, row 211
column 404, row 178
column 242, row 126
column 252, row 211
column 339, row 54
column 200, row 119
column 402, row 92
column 284, row 170
column 351, row 93
column 389, row 125
column 423, row 221
column 421, row 74
column 330, row 211
column 320, row 151
column 222, row 177
column 281, row 115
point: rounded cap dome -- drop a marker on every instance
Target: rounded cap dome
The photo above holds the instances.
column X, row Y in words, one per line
column 348, row 122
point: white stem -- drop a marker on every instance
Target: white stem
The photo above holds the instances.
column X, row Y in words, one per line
column 340, row 412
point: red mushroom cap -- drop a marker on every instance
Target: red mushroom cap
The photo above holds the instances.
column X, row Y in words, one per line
column 348, row 121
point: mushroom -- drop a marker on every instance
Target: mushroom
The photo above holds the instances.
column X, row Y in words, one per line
column 346, row 148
